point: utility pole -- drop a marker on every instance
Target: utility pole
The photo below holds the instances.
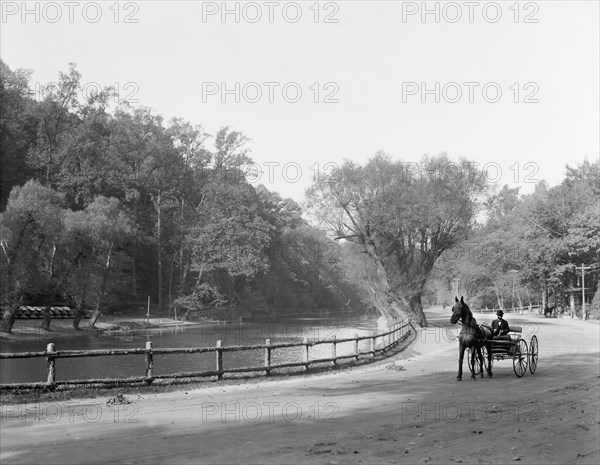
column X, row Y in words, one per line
column 584, row 268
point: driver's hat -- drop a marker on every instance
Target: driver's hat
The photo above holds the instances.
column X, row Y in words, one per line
column 499, row 313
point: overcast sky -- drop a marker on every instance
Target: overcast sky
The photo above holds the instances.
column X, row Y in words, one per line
column 369, row 74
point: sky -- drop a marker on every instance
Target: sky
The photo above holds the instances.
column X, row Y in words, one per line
column 511, row 86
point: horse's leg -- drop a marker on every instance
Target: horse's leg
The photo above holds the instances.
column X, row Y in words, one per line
column 461, row 355
column 480, row 357
column 473, row 351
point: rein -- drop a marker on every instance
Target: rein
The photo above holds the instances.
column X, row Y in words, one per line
column 470, row 325
column 476, row 327
column 464, row 322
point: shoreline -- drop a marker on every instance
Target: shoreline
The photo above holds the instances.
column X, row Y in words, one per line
column 30, row 330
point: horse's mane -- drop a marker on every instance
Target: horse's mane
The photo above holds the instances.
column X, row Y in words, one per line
column 469, row 313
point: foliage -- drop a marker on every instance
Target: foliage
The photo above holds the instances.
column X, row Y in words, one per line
column 105, row 205
column 533, row 246
column 403, row 220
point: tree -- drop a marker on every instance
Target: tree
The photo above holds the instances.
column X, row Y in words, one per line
column 56, row 115
column 403, row 220
column 17, row 129
column 545, row 235
column 31, row 229
column 229, row 237
column 97, row 234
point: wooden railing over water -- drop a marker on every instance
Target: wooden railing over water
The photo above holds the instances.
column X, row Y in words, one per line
column 386, row 340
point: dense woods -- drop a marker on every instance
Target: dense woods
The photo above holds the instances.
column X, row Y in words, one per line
column 105, row 204
column 530, row 249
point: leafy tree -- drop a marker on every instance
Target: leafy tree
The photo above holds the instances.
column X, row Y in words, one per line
column 56, row 115
column 17, row 129
column 98, row 233
column 545, row 235
column 31, row 228
column 403, row 220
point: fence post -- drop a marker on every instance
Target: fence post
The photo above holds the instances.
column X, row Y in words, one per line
column 333, row 349
column 149, row 362
column 356, row 345
column 51, row 365
column 219, row 360
column 267, row 357
column 305, row 341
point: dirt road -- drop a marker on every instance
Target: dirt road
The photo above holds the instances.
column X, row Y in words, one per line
column 410, row 410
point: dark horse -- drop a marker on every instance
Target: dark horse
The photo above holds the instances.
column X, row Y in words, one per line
column 549, row 311
column 471, row 335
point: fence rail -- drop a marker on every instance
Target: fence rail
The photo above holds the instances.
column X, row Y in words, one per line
column 398, row 333
column 510, row 309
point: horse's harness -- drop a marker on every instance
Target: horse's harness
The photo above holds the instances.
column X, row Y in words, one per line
column 476, row 327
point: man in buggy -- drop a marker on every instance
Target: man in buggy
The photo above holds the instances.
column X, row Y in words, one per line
column 500, row 326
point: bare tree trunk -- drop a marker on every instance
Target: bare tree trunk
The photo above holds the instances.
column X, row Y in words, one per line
column 47, row 317
column 389, row 304
column 8, row 318
column 498, row 297
column 102, row 290
column 417, row 315
column 171, row 287
column 594, row 311
column 81, row 301
column 57, row 285
column 134, row 258
column 544, row 297
column 78, row 314
column 134, row 274
column 159, row 246
column 48, row 307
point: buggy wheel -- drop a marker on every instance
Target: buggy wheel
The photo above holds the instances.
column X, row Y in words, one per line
column 484, row 354
column 475, row 369
column 520, row 358
column 533, row 354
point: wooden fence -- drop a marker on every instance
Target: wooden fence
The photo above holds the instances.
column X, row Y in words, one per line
column 516, row 310
column 387, row 340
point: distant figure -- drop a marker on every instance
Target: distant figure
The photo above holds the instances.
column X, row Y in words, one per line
column 500, row 326
column 548, row 311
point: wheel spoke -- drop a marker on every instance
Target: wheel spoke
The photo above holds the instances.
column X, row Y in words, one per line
column 533, row 354
column 520, row 358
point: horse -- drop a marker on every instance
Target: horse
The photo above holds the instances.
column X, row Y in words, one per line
column 471, row 336
column 549, row 311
